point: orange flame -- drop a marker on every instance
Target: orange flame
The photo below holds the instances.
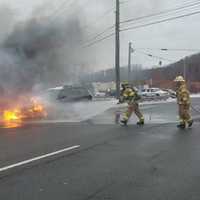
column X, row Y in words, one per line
column 14, row 117
column 37, row 108
column 9, row 115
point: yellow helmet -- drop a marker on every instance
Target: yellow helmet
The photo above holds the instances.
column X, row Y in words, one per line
column 179, row 79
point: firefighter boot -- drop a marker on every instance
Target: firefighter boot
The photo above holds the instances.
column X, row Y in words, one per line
column 123, row 122
column 182, row 125
column 190, row 122
column 141, row 122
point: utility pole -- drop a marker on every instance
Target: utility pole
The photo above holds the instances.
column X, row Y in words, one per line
column 117, row 48
column 130, row 51
column 184, row 68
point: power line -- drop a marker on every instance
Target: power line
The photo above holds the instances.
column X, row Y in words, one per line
column 153, row 56
column 100, row 18
column 99, row 40
column 99, row 34
column 63, row 9
column 160, row 13
column 161, row 21
column 63, row 4
column 148, row 24
column 168, row 49
column 130, row 2
column 103, row 32
column 93, row 40
column 134, row 27
column 94, row 37
column 124, row 2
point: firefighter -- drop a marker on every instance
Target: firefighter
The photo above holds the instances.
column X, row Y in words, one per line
column 183, row 101
column 124, row 85
column 130, row 95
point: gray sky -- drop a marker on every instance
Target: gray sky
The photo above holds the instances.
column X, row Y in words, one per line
column 181, row 33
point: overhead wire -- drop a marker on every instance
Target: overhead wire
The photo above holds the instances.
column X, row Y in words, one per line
column 65, row 4
column 97, row 20
column 130, row 2
column 95, row 39
column 153, row 56
column 63, row 10
column 161, row 13
column 169, row 49
column 157, row 21
column 61, row 6
column 160, row 21
column 99, row 40
column 152, row 23
column 102, row 33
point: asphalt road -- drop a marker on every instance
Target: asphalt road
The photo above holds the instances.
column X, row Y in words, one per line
column 156, row 161
column 154, row 112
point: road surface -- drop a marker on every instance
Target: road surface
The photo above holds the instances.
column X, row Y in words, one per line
column 97, row 160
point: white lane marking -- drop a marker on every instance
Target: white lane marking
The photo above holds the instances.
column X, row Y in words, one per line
column 37, row 158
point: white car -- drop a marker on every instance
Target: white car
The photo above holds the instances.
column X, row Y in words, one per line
column 171, row 93
column 100, row 94
column 153, row 92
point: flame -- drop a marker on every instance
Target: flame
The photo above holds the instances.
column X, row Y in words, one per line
column 37, row 107
column 12, row 118
column 10, row 115
column 15, row 117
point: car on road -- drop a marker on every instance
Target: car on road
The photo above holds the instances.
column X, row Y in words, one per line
column 100, row 94
column 171, row 93
column 153, row 93
column 69, row 93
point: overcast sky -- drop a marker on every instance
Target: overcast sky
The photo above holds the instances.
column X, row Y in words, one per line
column 181, row 33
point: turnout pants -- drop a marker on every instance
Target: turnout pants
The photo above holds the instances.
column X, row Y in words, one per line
column 184, row 113
column 133, row 107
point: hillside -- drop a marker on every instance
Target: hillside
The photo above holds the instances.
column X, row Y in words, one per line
column 159, row 77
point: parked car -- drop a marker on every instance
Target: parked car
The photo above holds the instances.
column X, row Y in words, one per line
column 153, row 93
column 171, row 93
column 100, row 94
column 111, row 93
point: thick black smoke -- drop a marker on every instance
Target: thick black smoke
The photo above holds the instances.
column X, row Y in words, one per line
column 40, row 52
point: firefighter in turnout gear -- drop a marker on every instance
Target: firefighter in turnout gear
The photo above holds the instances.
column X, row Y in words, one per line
column 124, row 85
column 183, row 101
column 130, row 95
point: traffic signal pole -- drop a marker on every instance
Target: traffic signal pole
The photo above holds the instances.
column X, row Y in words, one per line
column 117, row 48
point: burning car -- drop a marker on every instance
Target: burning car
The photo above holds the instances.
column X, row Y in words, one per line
column 26, row 108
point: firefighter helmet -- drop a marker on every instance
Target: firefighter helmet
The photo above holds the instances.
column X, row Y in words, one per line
column 179, row 79
column 125, row 83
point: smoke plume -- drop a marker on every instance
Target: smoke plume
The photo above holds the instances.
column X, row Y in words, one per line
column 40, row 51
